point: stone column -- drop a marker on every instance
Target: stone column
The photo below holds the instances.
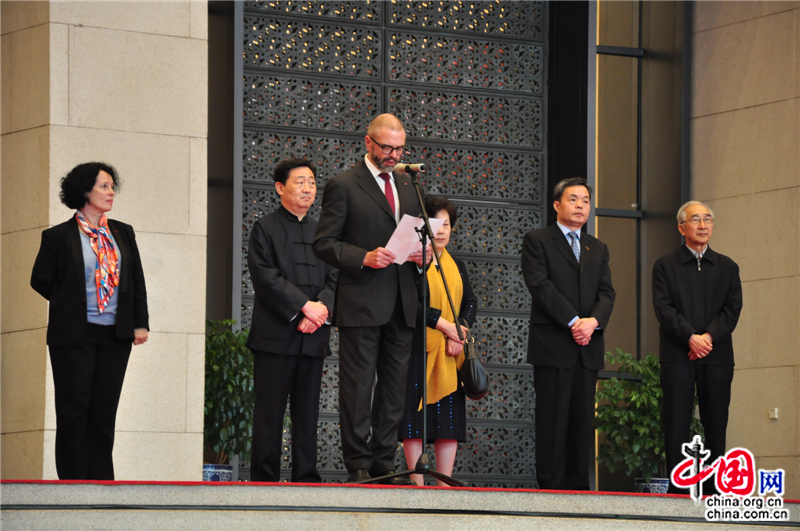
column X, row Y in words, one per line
column 125, row 83
column 745, row 164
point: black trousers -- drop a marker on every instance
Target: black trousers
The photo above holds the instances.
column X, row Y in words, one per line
column 565, row 401
column 276, row 378
column 678, row 381
column 363, row 353
column 88, row 383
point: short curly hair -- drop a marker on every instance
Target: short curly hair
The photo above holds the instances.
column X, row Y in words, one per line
column 80, row 182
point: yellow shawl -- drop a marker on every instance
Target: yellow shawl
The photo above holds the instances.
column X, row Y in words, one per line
column 442, row 373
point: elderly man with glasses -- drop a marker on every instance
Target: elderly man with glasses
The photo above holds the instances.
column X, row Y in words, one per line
column 697, row 296
column 376, row 299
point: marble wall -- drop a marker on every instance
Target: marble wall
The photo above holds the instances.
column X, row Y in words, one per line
column 125, row 83
column 745, row 163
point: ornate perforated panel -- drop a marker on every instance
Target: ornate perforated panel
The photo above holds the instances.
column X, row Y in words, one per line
column 470, row 63
column 311, row 46
column 464, row 117
column 467, row 80
column 257, row 203
column 501, row 340
column 364, row 10
column 511, row 19
column 329, row 448
column 263, row 150
column 493, row 230
column 497, row 451
column 509, row 394
column 329, row 397
column 309, row 104
column 246, row 314
column 480, row 173
column 499, row 285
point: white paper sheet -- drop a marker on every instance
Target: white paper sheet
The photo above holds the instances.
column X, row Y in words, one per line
column 405, row 239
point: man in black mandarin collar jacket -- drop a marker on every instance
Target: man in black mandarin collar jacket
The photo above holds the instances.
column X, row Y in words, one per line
column 290, row 332
column 572, row 299
column 697, row 295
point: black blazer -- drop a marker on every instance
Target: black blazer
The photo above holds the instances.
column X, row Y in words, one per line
column 58, row 276
column 469, row 302
column 561, row 288
column 356, row 219
column 278, row 300
column 688, row 301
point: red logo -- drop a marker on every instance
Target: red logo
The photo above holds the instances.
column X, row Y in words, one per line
column 735, row 471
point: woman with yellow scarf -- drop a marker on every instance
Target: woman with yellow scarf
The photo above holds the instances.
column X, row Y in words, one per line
column 447, row 416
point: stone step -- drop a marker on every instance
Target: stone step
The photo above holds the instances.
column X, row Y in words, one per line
column 242, row 506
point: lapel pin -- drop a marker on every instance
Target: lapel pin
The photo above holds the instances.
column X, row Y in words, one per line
column 587, row 247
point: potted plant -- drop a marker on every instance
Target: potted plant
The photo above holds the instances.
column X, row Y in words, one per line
column 629, row 416
column 228, row 423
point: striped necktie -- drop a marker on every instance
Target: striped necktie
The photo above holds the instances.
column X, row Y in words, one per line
column 576, row 245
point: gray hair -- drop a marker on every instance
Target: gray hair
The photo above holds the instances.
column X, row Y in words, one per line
column 562, row 185
column 682, row 210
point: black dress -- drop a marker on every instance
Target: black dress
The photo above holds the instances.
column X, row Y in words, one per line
column 447, row 418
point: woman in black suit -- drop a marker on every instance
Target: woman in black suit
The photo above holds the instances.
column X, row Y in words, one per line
column 447, row 416
column 89, row 269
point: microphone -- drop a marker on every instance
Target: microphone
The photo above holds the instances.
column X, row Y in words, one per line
column 408, row 169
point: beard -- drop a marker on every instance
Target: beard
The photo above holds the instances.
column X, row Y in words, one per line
column 380, row 162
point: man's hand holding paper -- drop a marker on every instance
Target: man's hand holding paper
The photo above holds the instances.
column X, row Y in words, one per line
column 404, row 243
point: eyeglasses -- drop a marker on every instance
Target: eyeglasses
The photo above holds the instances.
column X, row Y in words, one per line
column 695, row 220
column 402, row 150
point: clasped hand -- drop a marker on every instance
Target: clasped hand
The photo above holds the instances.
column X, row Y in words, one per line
column 582, row 330
column 455, row 346
column 700, row 346
column 314, row 315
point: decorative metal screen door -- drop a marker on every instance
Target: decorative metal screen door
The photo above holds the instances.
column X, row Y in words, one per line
column 467, row 79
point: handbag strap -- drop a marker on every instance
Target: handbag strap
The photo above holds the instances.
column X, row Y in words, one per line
column 469, row 342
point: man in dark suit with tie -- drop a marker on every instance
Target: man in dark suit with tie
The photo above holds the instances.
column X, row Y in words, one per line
column 290, row 331
column 569, row 279
column 376, row 299
column 697, row 295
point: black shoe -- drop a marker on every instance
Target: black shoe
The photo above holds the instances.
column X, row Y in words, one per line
column 402, row 481
column 398, row 481
column 358, row 475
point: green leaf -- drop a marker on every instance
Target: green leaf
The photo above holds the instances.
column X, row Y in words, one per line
column 628, row 416
column 229, row 390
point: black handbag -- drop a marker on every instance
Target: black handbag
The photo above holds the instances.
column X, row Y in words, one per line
column 472, row 376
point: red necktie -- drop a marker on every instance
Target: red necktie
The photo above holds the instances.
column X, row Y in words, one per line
column 387, row 189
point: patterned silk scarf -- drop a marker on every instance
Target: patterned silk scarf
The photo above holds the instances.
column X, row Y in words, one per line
column 442, row 373
column 106, row 276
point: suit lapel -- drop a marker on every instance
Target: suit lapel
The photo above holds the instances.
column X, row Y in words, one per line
column 561, row 244
column 73, row 232
column 367, row 183
column 586, row 247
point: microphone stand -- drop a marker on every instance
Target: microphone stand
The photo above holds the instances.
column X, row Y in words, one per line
column 423, row 465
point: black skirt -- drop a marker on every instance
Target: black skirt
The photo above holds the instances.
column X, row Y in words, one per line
column 447, row 418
